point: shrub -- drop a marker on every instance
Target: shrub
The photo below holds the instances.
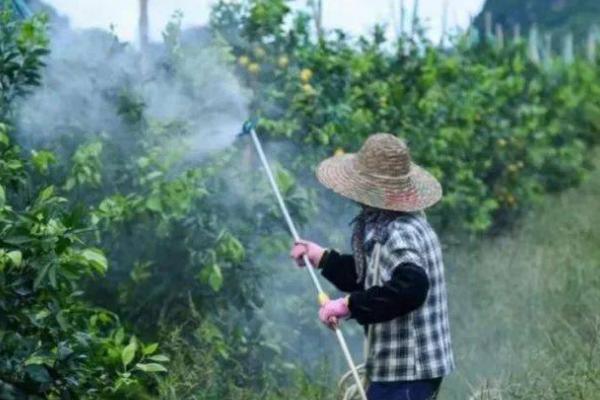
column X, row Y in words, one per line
column 23, row 46
column 54, row 344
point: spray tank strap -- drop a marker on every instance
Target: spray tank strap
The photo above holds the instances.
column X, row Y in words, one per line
column 377, row 273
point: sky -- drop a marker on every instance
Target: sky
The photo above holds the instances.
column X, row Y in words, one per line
column 355, row 16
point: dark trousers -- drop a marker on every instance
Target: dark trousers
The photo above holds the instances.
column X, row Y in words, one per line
column 404, row 390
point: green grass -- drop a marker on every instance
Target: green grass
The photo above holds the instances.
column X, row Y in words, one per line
column 526, row 305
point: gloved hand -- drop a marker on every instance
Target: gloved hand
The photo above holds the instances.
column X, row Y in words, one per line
column 333, row 310
column 312, row 250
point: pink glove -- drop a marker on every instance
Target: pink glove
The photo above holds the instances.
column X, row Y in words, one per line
column 333, row 310
column 312, row 250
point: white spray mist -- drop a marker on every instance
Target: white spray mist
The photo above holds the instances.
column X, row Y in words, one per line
column 88, row 69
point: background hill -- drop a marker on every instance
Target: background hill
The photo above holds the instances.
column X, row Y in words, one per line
column 559, row 16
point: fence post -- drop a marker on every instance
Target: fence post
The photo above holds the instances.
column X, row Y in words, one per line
column 568, row 48
column 488, row 26
column 534, row 51
column 592, row 43
column 143, row 26
column 415, row 17
column 547, row 54
column 316, row 7
column 402, row 16
column 444, row 23
column 516, row 32
column 499, row 36
column 472, row 34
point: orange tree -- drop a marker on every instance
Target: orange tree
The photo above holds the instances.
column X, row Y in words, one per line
column 179, row 230
column 55, row 344
column 495, row 128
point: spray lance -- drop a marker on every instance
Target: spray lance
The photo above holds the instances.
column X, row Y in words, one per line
column 248, row 130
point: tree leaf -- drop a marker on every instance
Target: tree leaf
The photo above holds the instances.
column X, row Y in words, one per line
column 215, row 279
column 154, row 204
column 160, row 358
column 62, row 320
column 18, row 240
column 3, row 136
column 284, row 179
column 119, row 336
column 95, row 257
column 45, row 194
column 149, row 349
column 52, row 276
column 129, row 352
column 40, row 276
column 38, row 373
column 15, row 257
column 151, row 367
column 38, row 359
column 42, row 160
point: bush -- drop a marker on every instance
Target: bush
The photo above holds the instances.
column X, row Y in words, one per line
column 23, row 46
column 54, row 343
column 175, row 229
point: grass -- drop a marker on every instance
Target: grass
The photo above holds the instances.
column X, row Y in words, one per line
column 526, row 305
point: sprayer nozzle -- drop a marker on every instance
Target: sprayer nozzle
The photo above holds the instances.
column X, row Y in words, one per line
column 247, row 127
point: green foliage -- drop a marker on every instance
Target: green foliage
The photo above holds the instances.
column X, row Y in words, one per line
column 42, row 160
column 23, row 45
column 265, row 18
column 495, row 128
column 206, row 366
column 168, row 234
column 102, row 232
column 175, row 231
column 85, row 169
column 11, row 165
column 53, row 343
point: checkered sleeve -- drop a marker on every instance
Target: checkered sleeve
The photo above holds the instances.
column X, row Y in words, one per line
column 401, row 248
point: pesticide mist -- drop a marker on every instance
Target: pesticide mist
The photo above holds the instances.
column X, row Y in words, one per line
column 90, row 72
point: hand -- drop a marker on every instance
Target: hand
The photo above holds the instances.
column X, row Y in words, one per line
column 313, row 251
column 333, row 310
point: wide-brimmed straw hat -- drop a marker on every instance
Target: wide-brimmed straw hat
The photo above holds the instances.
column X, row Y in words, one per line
column 381, row 175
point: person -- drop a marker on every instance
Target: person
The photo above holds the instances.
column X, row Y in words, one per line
column 395, row 276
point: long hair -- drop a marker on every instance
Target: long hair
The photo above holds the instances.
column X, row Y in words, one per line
column 376, row 220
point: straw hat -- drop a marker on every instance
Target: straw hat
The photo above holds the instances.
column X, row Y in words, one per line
column 381, row 175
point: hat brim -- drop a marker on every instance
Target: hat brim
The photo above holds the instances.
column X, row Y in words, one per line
column 417, row 191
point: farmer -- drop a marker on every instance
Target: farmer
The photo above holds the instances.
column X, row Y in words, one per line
column 395, row 277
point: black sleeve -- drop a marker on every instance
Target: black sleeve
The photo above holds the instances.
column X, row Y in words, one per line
column 404, row 292
column 339, row 269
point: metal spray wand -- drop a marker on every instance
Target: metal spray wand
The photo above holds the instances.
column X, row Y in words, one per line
column 248, row 129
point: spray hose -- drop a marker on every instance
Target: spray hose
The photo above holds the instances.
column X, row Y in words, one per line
column 248, row 129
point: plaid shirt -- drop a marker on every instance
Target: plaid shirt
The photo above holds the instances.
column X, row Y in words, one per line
column 417, row 345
